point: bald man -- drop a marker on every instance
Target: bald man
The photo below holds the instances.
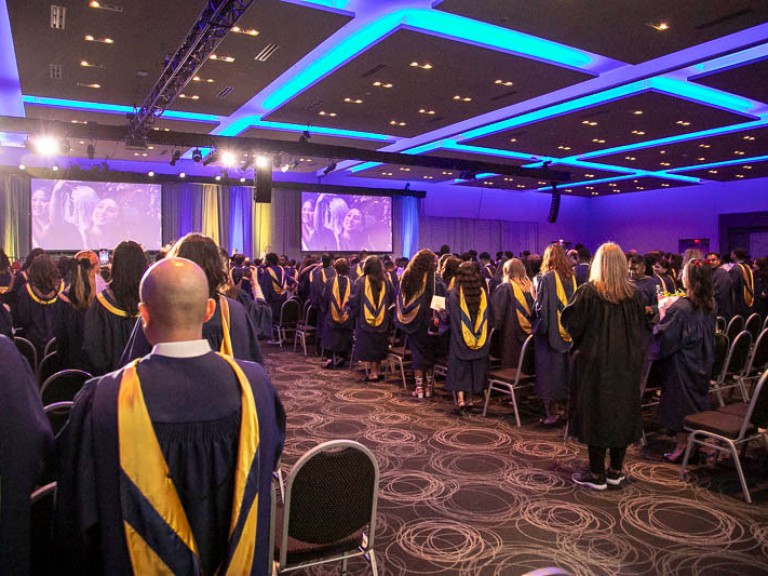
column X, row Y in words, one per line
column 160, row 458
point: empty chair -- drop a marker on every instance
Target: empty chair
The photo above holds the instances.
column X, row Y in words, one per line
column 330, row 508
column 509, row 380
column 306, row 328
column 289, row 318
column 732, row 373
column 754, row 325
column 27, row 350
column 725, row 431
column 735, row 326
column 58, row 414
column 49, row 365
column 63, row 386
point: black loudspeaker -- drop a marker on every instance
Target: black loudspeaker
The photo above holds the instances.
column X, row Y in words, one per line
column 263, row 180
column 554, row 207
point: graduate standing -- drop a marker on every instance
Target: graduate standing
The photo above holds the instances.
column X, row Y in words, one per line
column 160, row 459
column 336, row 337
column 513, row 307
column 606, row 319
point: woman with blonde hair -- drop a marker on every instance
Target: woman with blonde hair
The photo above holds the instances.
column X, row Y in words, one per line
column 512, row 311
column 606, row 320
column 552, row 342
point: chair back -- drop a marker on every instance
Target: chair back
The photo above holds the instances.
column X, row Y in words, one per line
column 49, row 365
column 758, row 361
column 527, row 363
column 50, row 346
column 735, row 326
column 757, row 412
column 754, row 325
column 27, row 350
column 42, row 553
column 720, row 324
column 739, row 353
column 58, row 414
column 494, row 351
column 331, row 494
column 311, row 317
column 722, row 346
column 63, row 386
column 290, row 312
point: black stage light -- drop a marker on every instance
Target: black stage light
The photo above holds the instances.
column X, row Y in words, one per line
column 554, row 207
column 197, row 155
column 262, row 180
column 330, row 168
column 175, row 157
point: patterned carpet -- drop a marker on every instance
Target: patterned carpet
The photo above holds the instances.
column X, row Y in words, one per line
column 477, row 496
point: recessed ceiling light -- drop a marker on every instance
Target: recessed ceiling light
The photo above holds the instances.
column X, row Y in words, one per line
column 589, row 175
column 217, row 58
column 662, row 151
column 404, row 169
column 683, row 123
column 637, row 112
column 428, row 177
column 217, row 178
column 379, row 84
column 521, row 186
column 150, row 174
column 460, row 98
column 182, row 175
column 425, row 66
column 446, row 173
column 386, row 173
column 739, row 152
column 660, row 26
column 589, row 122
column 713, row 171
column 199, row 79
column 324, row 113
column 102, row 6
column 513, row 139
column 739, row 175
column 86, row 64
column 189, row 96
column 242, row 180
column 598, row 140
column 638, row 132
column 750, row 138
column 747, row 167
column 396, row 123
column 349, row 100
column 93, row 85
column 595, row 193
column 665, row 164
column 630, row 158
column 563, row 147
column 700, row 159
column 247, row 32
column 506, row 83
column 91, row 38
column 664, row 185
column 426, row 111
column 704, row 146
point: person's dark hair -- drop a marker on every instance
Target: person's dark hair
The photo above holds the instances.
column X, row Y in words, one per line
column 327, row 259
column 739, row 253
column 676, row 262
column 80, row 293
column 341, row 266
column 508, row 254
column 422, row 262
column 699, row 284
column 31, row 256
column 238, row 259
column 5, row 262
column 708, row 254
column 761, row 265
column 66, row 267
column 533, row 264
column 450, row 269
column 470, row 281
column 374, row 271
column 445, row 249
column 640, row 259
column 204, row 252
column 129, row 262
column 583, row 252
column 271, row 259
column 485, row 256
column 43, row 275
column 555, row 259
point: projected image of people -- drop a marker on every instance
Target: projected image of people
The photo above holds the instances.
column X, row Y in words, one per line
column 346, row 223
column 74, row 215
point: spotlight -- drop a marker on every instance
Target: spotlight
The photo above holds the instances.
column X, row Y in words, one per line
column 217, row 178
column 182, row 175
column 55, row 168
column 91, row 151
column 228, row 159
column 197, row 155
column 263, row 163
column 289, row 166
column 212, row 157
column 22, row 167
column 330, row 168
column 151, row 174
column 175, row 157
column 45, row 145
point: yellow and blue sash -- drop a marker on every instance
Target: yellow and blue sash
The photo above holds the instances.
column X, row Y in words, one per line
column 474, row 335
column 111, row 307
column 226, row 338
column 407, row 311
column 373, row 311
column 749, row 285
column 339, row 312
column 8, row 287
column 40, row 299
column 157, row 531
column 278, row 284
column 522, row 309
column 562, row 300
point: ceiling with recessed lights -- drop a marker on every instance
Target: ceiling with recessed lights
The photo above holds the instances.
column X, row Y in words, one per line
column 624, row 96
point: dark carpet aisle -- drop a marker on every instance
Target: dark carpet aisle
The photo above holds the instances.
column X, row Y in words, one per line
column 475, row 496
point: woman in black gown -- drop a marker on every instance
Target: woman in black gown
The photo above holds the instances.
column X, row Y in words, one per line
column 79, row 296
column 512, row 311
column 606, row 319
column 685, row 341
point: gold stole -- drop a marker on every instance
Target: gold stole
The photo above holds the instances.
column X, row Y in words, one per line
column 563, row 300
column 339, row 312
column 407, row 311
column 40, row 299
column 522, row 309
column 749, row 285
column 277, row 285
column 226, row 337
column 111, row 307
column 145, row 470
column 474, row 336
column 373, row 311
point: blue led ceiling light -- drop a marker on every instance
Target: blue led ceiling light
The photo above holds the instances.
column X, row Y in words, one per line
column 10, row 85
column 114, row 108
column 333, row 5
column 741, row 58
column 703, row 94
column 323, row 131
column 720, row 164
column 364, row 166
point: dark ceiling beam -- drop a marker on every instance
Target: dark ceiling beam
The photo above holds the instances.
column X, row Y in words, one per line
column 206, row 34
column 270, row 146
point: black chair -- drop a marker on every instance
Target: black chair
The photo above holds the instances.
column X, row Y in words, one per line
column 758, row 359
column 42, row 555
column 509, row 380
column 289, row 318
column 722, row 345
column 307, row 328
column 27, row 350
column 58, row 414
column 49, row 365
column 399, row 356
column 732, row 373
column 63, row 386
column 330, row 508
column 754, row 325
column 735, row 326
column 50, row 346
column 720, row 324
column 728, row 428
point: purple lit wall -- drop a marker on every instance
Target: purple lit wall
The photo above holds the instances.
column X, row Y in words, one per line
column 659, row 218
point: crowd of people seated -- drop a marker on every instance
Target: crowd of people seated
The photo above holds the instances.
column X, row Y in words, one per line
column 596, row 326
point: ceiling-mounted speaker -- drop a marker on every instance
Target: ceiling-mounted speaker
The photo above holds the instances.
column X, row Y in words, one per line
column 554, row 207
column 262, row 178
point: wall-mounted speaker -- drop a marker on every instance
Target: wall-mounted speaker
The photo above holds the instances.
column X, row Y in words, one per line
column 263, row 181
column 554, row 207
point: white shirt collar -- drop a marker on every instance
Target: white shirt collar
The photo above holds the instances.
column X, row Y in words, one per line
column 185, row 349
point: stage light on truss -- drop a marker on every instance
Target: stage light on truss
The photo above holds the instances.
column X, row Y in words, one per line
column 197, row 155
column 44, row 145
column 228, row 159
column 182, row 175
column 263, row 163
column 330, row 168
column 175, row 157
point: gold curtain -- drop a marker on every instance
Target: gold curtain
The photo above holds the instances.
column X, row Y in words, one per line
column 261, row 218
column 211, row 212
column 15, row 208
